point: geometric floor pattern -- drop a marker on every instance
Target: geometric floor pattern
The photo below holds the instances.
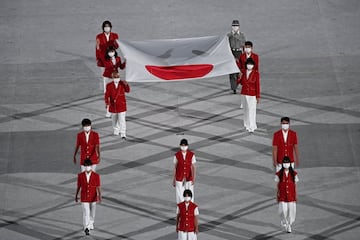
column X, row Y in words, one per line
column 43, row 101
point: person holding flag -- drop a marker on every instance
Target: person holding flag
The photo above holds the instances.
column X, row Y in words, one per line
column 236, row 42
column 115, row 101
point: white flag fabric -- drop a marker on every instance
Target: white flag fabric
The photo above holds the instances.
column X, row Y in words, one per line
column 177, row 59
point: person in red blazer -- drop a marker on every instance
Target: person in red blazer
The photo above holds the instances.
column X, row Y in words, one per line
column 112, row 63
column 285, row 143
column 286, row 193
column 88, row 141
column 248, row 53
column 105, row 40
column 184, row 173
column 250, row 94
column 187, row 213
column 89, row 184
column 115, row 100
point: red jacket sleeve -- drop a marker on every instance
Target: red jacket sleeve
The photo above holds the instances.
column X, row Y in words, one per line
column 257, row 85
column 126, row 87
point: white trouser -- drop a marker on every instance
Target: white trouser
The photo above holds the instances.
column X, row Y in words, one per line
column 287, row 212
column 279, row 166
column 106, row 81
column 119, row 123
column 180, row 188
column 89, row 209
column 93, row 167
column 249, row 104
column 187, row 235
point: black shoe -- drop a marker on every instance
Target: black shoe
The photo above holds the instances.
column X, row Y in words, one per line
column 234, row 91
column 87, row 232
column 123, row 138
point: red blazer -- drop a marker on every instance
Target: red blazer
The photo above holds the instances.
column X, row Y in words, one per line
column 285, row 148
column 102, row 45
column 88, row 189
column 251, row 85
column 242, row 59
column 110, row 67
column 286, row 188
column 187, row 217
column 183, row 166
column 115, row 97
column 88, row 148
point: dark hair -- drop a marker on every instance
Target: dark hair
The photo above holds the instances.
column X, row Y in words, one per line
column 184, row 142
column 107, row 22
column 187, row 192
column 286, row 159
column 87, row 162
column 110, row 49
column 287, row 119
column 248, row 43
column 249, row 61
column 85, row 122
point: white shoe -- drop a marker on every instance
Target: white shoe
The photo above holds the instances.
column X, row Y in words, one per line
column 288, row 229
column 241, row 106
column 116, row 133
column 108, row 115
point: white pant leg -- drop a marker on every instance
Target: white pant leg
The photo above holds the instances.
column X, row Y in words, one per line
column 283, row 212
column 115, row 122
column 106, row 80
column 86, row 214
column 291, row 212
column 92, row 214
column 246, row 112
column 252, row 112
column 190, row 186
column 187, row 236
column 179, row 190
column 93, row 167
column 122, row 124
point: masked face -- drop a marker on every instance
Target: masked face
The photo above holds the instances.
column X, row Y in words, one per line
column 87, row 168
column 250, row 66
column 107, row 29
column 187, row 199
column 184, row 148
column 286, row 165
column 235, row 28
column 285, row 126
column 116, row 80
column 87, row 128
column 111, row 54
column 248, row 50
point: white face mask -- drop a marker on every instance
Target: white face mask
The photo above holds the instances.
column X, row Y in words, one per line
column 235, row 28
column 187, row 199
column 248, row 49
column 111, row 54
column 107, row 29
column 184, row 148
column 250, row 66
column 116, row 80
column 87, row 168
column 87, row 128
column 286, row 165
column 285, row 126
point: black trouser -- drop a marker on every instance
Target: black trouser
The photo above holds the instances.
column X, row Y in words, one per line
column 234, row 76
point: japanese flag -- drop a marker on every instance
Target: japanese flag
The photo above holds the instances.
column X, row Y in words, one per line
column 177, row 59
